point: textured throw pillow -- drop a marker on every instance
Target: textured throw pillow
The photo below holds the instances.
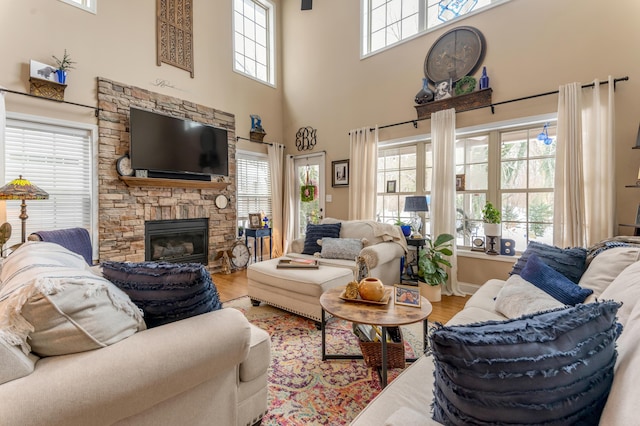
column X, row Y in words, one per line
column 51, row 307
column 552, row 282
column 165, row 292
column 318, row 232
column 341, row 248
column 519, row 297
column 553, row 368
column 570, row 262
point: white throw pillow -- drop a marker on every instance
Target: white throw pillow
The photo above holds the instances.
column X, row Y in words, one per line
column 606, row 266
column 519, row 297
column 61, row 309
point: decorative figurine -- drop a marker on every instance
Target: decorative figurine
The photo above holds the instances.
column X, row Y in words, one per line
column 425, row 94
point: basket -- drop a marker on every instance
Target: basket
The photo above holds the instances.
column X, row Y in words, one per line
column 372, row 353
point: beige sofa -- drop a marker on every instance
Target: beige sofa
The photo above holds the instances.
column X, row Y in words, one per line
column 298, row 291
column 613, row 275
column 202, row 370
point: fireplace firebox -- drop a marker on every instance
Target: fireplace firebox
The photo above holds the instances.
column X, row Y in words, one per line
column 177, row 241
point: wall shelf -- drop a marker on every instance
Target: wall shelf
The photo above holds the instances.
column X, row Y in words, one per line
column 477, row 99
column 171, row 183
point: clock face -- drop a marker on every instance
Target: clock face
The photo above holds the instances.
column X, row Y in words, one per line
column 457, row 53
column 221, row 201
column 240, row 255
column 123, row 166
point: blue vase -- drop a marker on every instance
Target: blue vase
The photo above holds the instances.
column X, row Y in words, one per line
column 61, row 76
column 484, row 79
column 406, row 230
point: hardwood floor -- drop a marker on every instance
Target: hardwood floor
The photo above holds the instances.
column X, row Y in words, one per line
column 234, row 285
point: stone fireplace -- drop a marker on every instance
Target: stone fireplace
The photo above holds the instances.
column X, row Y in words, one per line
column 177, row 241
column 127, row 204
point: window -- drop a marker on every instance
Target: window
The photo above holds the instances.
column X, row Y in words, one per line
column 58, row 157
column 387, row 22
column 509, row 166
column 254, row 185
column 253, row 26
column 88, row 5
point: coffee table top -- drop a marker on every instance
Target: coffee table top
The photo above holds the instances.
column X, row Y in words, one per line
column 389, row 315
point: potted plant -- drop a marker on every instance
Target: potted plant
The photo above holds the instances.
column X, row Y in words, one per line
column 491, row 219
column 63, row 65
column 406, row 228
column 432, row 260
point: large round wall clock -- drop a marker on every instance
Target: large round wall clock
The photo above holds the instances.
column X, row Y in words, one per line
column 457, row 53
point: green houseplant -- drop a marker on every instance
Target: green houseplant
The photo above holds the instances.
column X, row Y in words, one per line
column 63, row 65
column 491, row 218
column 432, row 260
column 406, row 228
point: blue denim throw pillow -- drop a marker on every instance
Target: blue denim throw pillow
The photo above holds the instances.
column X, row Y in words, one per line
column 552, row 282
column 318, row 232
column 551, row 368
column 165, row 292
column 570, row 262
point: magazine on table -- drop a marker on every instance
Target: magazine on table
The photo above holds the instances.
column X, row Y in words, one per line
column 298, row 263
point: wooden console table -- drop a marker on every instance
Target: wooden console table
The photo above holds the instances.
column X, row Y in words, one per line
column 260, row 233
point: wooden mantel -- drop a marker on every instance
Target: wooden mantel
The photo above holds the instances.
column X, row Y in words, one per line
column 480, row 98
column 171, row 183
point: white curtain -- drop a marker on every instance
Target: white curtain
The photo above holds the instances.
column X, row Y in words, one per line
column 275, row 153
column 362, row 174
column 443, row 187
column 288, row 212
column 584, row 204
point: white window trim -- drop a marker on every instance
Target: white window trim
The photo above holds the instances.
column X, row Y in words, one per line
column 271, row 48
column 456, row 21
column 93, row 131
column 90, row 6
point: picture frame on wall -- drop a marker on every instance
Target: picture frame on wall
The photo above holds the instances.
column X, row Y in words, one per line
column 444, row 89
column 255, row 220
column 42, row 71
column 391, row 186
column 460, row 182
column 340, row 173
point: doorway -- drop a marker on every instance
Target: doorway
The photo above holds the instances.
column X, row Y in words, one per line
column 310, row 178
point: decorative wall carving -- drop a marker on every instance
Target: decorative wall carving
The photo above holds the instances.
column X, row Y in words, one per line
column 175, row 33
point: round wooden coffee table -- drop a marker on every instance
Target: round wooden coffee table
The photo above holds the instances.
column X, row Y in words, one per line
column 389, row 315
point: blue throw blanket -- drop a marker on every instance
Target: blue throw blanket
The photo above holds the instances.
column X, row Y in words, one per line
column 75, row 239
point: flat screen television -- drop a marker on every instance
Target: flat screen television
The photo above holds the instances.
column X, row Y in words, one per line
column 176, row 146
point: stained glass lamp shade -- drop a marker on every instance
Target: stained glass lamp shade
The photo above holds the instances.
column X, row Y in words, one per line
column 22, row 189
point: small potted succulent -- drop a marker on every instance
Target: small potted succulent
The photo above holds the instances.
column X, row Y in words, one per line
column 432, row 260
column 63, row 65
column 491, row 218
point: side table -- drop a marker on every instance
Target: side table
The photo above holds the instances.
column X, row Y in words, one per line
column 410, row 274
column 389, row 315
column 260, row 233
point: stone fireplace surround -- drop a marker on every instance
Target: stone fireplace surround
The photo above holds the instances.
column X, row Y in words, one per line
column 124, row 209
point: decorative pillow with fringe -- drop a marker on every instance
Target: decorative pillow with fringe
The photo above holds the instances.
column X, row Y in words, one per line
column 53, row 309
column 554, row 367
column 570, row 262
column 166, row 292
column 340, row 248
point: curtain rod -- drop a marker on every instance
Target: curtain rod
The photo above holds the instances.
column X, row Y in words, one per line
column 96, row 109
column 493, row 105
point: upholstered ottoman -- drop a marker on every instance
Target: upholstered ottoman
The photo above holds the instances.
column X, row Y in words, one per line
column 294, row 290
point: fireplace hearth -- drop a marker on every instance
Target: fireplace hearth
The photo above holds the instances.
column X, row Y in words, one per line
column 177, row 241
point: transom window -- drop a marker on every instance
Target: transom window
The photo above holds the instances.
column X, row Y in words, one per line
column 387, row 22
column 253, row 41
column 88, row 5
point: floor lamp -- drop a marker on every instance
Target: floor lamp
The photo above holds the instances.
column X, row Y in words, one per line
column 417, row 204
column 22, row 189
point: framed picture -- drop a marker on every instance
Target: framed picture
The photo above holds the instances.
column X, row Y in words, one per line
column 406, row 295
column 391, row 186
column 255, row 220
column 340, row 173
column 42, row 71
column 444, row 89
column 460, row 182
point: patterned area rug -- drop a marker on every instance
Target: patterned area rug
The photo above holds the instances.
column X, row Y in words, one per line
column 303, row 389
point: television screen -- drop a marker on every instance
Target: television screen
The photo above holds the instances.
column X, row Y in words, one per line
column 169, row 144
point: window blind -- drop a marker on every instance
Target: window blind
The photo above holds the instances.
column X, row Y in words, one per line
column 254, row 185
column 58, row 159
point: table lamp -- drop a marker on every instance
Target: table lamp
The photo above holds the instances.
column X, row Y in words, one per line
column 417, row 204
column 22, row 189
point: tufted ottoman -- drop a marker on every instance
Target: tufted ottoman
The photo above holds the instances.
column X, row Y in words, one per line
column 294, row 290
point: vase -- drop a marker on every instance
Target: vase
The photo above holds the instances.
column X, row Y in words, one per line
column 406, row 230
column 433, row 293
column 492, row 229
column 371, row 288
column 61, row 76
column 425, row 94
column 484, row 79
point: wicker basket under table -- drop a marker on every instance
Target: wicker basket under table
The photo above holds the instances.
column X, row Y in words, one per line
column 372, row 353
